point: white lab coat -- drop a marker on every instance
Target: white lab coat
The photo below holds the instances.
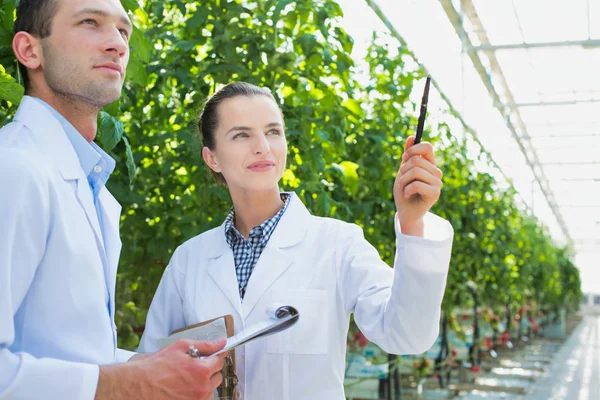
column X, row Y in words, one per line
column 327, row 270
column 55, row 283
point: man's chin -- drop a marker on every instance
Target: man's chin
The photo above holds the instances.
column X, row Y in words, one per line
column 107, row 98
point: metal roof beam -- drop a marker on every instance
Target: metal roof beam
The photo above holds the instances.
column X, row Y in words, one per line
column 564, row 135
column 572, row 163
column 587, row 44
column 523, row 140
column 551, row 103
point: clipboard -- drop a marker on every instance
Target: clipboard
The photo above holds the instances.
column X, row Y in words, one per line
column 278, row 318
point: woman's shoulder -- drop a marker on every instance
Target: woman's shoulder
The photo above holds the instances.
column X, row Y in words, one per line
column 200, row 243
column 332, row 226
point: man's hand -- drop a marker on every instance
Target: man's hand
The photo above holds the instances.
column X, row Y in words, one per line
column 170, row 373
column 417, row 186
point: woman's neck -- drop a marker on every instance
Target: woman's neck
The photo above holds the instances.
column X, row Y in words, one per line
column 252, row 209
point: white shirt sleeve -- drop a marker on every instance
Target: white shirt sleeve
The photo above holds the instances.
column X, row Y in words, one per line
column 122, row 356
column 398, row 309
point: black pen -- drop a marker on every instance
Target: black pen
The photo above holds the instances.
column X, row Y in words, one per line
column 424, row 100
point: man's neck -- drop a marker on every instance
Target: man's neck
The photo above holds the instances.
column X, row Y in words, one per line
column 83, row 116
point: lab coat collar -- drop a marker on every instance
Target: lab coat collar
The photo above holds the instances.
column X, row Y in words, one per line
column 273, row 262
column 50, row 133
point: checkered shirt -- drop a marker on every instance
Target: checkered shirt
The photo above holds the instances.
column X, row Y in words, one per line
column 246, row 252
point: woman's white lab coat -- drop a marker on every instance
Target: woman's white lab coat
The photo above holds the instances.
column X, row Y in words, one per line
column 327, row 270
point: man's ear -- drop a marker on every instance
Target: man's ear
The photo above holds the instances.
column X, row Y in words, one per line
column 27, row 49
column 210, row 159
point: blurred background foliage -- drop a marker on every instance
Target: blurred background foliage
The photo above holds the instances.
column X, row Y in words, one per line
column 345, row 136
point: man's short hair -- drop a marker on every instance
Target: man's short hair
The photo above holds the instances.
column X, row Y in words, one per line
column 34, row 17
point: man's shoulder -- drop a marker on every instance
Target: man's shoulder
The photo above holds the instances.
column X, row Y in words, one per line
column 17, row 138
column 21, row 160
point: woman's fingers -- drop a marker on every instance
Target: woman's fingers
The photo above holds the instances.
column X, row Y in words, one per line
column 420, row 162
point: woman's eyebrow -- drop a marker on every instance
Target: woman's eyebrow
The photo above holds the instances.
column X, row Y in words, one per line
column 274, row 125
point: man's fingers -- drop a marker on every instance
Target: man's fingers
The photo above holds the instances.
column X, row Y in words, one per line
column 216, row 379
column 208, row 348
column 213, row 364
column 204, row 348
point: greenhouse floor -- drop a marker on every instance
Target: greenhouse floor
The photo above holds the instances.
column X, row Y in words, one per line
column 575, row 370
column 565, row 366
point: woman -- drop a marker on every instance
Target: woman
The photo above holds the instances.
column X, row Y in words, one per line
column 270, row 249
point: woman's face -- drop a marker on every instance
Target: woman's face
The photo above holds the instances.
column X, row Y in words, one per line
column 250, row 147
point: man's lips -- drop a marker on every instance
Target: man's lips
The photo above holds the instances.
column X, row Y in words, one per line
column 113, row 66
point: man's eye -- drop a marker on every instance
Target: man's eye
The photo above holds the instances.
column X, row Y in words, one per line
column 88, row 22
column 240, row 135
column 274, row 132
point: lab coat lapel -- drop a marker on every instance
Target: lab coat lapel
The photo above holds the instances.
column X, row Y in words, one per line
column 276, row 258
column 110, row 211
column 56, row 144
column 221, row 268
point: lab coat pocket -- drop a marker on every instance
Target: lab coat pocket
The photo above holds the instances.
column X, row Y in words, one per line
column 310, row 334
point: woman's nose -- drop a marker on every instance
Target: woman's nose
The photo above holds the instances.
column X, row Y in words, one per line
column 261, row 145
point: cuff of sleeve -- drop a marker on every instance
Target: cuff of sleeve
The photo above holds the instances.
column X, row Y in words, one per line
column 438, row 232
column 122, row 356
column 54, row 379
column 89, row 381
column 429, row 253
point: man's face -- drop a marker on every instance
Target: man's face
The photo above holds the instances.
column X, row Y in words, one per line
column 86, row 54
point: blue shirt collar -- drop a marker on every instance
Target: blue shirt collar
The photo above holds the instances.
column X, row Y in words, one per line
column 90, row 154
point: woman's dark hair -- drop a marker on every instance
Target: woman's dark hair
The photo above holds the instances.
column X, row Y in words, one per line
column 209, row 117
column 34, row 17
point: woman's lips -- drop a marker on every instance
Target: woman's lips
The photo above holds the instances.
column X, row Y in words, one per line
column 261, row 166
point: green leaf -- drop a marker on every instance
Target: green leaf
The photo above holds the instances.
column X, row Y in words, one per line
column 307, row 42
column 140, row 46
column 353, row 106
column 348, row 170
column 130, row 5
column 131, row 168
column 9, row 14
column 281, row 4
column 113, row 108
column 111, row 130
column 136, row 72
column 186, row 45
column 10, row 90
column 198, row 20
column 225, row 67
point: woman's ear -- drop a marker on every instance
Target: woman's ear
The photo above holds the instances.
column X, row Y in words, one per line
column 27, row 49
column 210, row 159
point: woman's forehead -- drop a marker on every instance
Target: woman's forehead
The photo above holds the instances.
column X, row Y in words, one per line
column 249, row 111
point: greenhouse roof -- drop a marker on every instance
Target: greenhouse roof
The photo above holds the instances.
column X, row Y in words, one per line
column 524, row 75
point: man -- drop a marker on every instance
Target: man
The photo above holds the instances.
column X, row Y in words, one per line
column 59, row 243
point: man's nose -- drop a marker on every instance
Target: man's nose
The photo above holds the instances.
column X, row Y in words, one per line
column 116, row 43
